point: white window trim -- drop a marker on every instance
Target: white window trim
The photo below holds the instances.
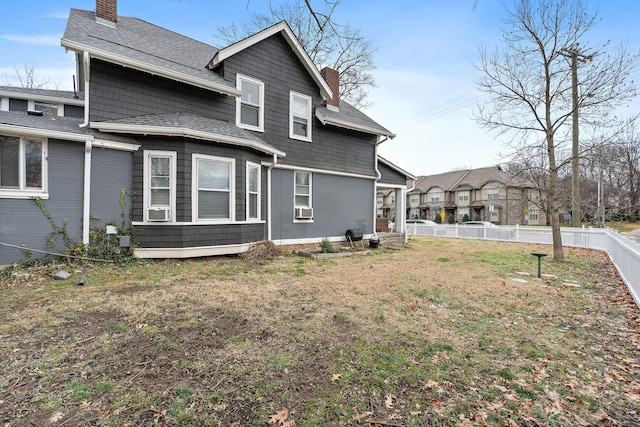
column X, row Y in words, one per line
column 260, row 127
column 23, row 192
column 310, row 196
column 194, row 189
column 309, row 100
column 148, row 154
column 256, row 166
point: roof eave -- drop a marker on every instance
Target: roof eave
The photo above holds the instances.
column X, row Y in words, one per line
column 148, row 68
column 283, row 27
column 45, row 133
column 352, row 126
column 183, row 132
column 42, row 98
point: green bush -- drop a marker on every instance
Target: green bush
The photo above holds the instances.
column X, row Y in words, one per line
column 465, row 218
column 326, row 246
column 477, row 218
column 437, row 219
column 451, row 219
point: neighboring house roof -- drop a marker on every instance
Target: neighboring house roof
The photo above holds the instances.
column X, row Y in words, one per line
column 350, row 117
column 187, row 125
column 446, row 181
column 146, row 47
column 66, row 128
column 283, row 28
column 478, row 178
column 469, row 178
column 43, row 95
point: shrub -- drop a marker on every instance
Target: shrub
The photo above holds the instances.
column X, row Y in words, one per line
column 451, row 219
column 437, row 219
column 326, row 246
column 465, row 218
column 477, row 218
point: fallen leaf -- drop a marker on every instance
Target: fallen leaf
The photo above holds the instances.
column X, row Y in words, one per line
column 388, row 402
column 57, row 416
column 335, row 377
column 279, row 417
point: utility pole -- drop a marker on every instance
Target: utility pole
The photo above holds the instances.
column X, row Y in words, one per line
column 575, row 56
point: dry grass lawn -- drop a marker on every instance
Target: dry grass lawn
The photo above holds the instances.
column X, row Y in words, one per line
column 434, row 333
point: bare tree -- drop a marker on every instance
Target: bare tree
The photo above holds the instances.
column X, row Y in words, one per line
column 529, row 83
column 339, row 46
column 26, row 78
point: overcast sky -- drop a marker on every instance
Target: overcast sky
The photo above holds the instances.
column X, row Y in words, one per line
column 425, row 54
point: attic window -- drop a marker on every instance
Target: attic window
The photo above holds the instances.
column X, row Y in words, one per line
column 250, row 107
column 300, row 117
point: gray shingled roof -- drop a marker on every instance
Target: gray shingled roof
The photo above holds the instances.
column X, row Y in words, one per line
column 58, row 124
column 67, row 125
column 141, row 41
column 189, row 121
column 477, row 178
column 349, row 114
column 447, row 181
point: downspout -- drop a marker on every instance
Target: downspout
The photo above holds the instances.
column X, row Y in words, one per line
column 87, row 67
column 86, row 203
column 269, row 167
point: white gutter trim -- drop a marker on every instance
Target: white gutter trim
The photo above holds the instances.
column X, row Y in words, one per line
column 183, row 132
column 347, row 125
column 323, row 171
column 151, row 69
column 40, row 98
column 86, row 203
column 44, row 133
column 86, row 63
column 114, row 145
column 294, row 43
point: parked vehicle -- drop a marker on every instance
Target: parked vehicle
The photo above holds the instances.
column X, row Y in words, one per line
column 425, row 227
column 486, row 230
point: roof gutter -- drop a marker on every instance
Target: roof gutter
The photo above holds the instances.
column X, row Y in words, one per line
column 148, row 68
column 185, row 133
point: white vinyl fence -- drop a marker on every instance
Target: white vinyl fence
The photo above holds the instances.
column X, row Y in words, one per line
column 624, row 252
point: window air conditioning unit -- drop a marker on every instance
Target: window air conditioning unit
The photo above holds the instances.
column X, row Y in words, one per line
column 304, row 213
column 158, row 214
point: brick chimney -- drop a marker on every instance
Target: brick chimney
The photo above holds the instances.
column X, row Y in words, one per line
column 332, row 77
column 107, row 10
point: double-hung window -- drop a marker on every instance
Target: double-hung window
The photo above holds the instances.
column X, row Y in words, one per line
column 22, row 166
column 250, row 107
column 159, row 185
column 303, row 190
column 213, row 188
column 253, row 192
column 300, row 117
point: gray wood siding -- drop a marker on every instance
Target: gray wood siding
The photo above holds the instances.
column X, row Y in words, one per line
column 191, row 236
column 174, row 236
column 339, row 204
column 273, row 62
column 111, row 171
column 117, row 92
column 22, row 222
column 391, row 176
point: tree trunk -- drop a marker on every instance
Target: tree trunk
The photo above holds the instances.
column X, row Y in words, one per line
column 554, row 202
